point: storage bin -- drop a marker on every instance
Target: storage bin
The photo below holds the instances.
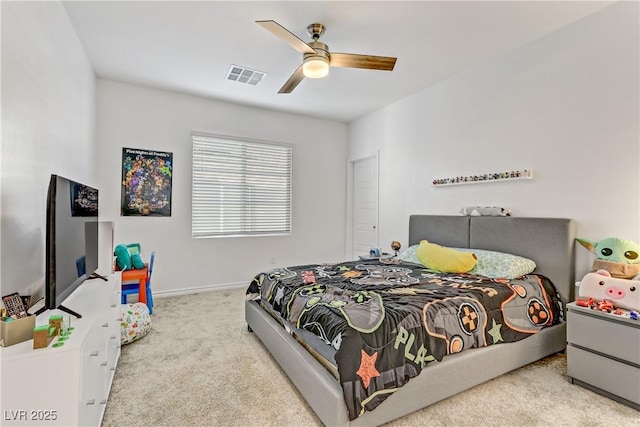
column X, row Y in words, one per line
column 17, row 331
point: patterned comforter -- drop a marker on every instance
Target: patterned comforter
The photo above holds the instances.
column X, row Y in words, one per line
column 387, row 320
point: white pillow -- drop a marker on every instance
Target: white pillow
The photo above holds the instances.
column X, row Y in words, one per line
column 409, row 255
column 500, row 264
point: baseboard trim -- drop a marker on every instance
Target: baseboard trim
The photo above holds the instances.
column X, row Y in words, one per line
column 198, row 289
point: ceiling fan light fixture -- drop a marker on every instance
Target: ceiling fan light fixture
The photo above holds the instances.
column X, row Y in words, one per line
column 316, row 55
column 315, row 67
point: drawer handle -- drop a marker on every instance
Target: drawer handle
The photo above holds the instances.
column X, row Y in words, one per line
column 105, row 325
column 93, row 353
column 113, row 337
column 91, row 402
column 113, row 306
column 104, row 363
column 103, row 402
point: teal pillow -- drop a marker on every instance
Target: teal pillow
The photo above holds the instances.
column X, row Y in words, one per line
column 123, row 258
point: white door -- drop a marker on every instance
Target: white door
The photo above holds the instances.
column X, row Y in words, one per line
column 365, row 206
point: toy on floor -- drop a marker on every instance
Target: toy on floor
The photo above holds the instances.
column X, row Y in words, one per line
column 135, row 322
column 620, row 257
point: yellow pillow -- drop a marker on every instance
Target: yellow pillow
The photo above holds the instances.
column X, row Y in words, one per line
column 444, row 259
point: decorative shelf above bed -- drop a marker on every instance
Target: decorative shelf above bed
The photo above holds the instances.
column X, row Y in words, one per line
column 484, row 178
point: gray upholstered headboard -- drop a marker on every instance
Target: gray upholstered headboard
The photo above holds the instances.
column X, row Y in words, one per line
column 547, row 241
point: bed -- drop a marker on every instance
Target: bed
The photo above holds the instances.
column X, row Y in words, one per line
column 547, row 241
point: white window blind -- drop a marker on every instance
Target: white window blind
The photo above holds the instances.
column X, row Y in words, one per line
column 240, row 187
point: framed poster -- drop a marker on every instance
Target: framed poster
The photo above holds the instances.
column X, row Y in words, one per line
column 146, row 182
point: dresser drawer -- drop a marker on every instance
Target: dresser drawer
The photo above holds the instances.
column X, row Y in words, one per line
column 607, row 374
column 90, row 370
column 604, row 335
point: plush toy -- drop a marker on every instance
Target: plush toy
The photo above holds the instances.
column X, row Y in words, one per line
column 614, row 249
column 621, row 292
column 484, row 211
column 620, row 257
column 128, row 257
column 445, row 259
column 137, row 261
column 123, row 258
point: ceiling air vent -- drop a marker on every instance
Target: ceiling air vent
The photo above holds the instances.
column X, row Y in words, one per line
column 245, row 75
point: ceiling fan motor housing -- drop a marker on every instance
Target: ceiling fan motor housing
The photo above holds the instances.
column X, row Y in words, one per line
column 321, row 49
column 315, row 30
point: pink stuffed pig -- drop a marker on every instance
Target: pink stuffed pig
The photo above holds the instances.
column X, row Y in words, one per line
column 621, row 292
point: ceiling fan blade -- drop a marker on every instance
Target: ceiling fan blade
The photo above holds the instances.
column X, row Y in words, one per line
column 293, row 81
column 286, row 35
column 370, row 62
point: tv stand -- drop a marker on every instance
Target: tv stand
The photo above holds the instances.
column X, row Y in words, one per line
column 68, row 384
column 68, row 310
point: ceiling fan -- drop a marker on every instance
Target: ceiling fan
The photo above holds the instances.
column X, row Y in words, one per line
column 317, row 58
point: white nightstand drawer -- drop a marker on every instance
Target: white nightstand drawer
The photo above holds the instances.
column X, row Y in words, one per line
column 606, row 374
column 602, row 333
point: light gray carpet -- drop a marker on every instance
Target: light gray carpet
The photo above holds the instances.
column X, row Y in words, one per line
column 200, row 366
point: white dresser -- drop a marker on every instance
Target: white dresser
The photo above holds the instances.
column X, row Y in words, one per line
column 66, row 385
column 603, row 353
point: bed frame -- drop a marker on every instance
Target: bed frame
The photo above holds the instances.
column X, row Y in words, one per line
column 548, row 241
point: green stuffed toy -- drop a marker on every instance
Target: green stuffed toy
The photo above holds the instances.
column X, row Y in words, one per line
column 128, row 257
column 123, row 258
column 137, row 261
column 614, row 249
column 620, row 257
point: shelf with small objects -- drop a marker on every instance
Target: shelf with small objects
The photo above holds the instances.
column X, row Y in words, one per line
column 484, row 178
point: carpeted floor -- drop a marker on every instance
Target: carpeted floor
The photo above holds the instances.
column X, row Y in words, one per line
column 200, row 366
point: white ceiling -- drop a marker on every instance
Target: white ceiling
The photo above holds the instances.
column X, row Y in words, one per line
column 189, row 46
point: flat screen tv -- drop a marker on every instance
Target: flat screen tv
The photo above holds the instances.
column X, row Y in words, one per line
column 71, row 239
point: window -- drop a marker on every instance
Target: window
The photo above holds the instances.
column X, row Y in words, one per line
column 240, row 187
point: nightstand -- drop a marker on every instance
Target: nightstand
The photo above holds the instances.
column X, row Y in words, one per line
column 603, row 353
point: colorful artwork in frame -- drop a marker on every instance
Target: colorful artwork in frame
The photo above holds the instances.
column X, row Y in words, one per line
column 146, row 182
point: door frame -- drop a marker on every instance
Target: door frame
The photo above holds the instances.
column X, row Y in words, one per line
column 350, row 195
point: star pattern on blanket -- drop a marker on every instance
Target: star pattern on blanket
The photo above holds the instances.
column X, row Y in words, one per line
column 367, row 368
column 495, row 332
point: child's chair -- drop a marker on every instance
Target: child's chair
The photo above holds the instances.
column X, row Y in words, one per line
column 132, row 288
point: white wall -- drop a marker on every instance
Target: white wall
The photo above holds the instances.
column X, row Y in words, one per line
column 136, row 117
column 48, row 124
column 565, row 106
